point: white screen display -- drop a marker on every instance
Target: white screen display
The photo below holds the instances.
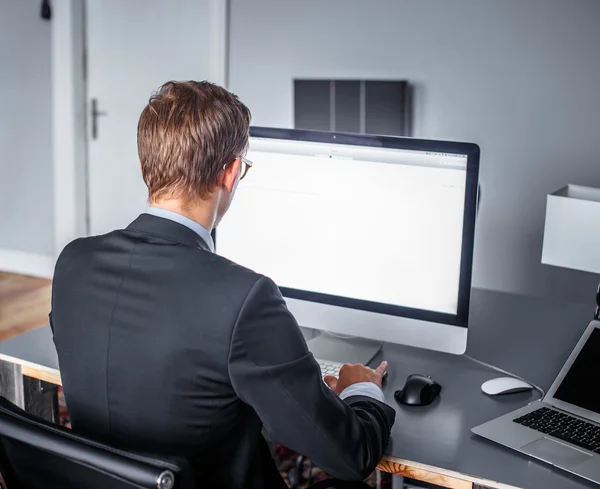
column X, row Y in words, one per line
column 376, row 224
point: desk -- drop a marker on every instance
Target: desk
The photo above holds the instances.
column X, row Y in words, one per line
column 531, row 337
column 34, row 352
column 438, row 436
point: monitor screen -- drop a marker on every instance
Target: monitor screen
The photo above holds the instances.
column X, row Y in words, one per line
column 374, row 225
column 580, row 385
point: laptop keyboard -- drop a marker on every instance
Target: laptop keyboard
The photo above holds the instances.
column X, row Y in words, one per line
column 564, row 427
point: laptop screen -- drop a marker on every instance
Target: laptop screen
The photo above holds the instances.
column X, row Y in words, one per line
column 580, row 387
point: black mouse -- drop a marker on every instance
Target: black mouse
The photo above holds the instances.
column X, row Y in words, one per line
column 419, row 390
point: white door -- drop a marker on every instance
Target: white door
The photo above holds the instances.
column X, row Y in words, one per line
column 133, row 47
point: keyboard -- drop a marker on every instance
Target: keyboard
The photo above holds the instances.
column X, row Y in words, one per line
column 329, row 368
column 564, row 427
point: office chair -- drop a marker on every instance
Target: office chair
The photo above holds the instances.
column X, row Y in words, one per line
column 35, row 454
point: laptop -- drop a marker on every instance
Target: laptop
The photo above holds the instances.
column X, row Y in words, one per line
column 562, row 429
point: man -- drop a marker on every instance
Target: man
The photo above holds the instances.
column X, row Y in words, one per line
column 166, row 347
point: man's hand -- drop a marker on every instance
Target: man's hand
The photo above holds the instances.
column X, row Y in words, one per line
column 353, row 374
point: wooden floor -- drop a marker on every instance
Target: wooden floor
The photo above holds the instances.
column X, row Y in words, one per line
column 24, row 304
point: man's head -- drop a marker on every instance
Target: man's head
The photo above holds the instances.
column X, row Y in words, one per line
column 191, row 140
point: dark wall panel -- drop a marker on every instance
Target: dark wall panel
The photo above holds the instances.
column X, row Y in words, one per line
column 386, row 105
column 355, row 106
column 347, row 106
column 311, row 104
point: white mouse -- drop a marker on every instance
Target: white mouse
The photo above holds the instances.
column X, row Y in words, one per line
column 504, row 385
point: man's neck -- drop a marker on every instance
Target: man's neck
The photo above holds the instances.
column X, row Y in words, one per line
column 205, row 215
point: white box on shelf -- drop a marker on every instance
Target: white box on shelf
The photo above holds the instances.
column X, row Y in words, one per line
column 572, row 229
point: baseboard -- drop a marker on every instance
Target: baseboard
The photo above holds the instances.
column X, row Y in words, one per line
column 25, row 263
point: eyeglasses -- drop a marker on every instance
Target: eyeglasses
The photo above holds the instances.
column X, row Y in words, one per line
column 247, row 165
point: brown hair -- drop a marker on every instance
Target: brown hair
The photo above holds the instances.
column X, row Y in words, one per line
column 186, row 134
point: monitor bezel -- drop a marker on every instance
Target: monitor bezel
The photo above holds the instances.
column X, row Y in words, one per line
column 471, row 150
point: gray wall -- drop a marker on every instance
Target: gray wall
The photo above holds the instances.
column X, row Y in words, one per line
column 26, row 198
column 520, row 78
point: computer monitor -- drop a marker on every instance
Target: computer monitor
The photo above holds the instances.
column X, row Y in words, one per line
column 368, row 236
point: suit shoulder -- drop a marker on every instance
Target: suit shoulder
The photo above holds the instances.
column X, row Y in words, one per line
column 80, row 248
column 225, row 266
column 79, row 245
column 74, row 246
column 73, row 249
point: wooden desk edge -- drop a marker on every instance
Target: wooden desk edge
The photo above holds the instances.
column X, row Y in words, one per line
column 435, row 475
column 34, row 370
column 414, row 470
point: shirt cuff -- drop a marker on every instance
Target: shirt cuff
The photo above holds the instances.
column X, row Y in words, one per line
column 368, row 389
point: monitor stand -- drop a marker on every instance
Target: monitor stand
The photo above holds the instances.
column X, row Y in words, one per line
column 343, row 349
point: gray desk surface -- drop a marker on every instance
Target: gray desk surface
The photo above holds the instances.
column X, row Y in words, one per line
column 439, row 435
column 531, row 337
column 35, row 347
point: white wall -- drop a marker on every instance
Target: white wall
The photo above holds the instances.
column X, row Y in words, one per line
column 521, row 79
column 26, row 196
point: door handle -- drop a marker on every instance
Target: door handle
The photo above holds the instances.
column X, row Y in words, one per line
column 95, row 114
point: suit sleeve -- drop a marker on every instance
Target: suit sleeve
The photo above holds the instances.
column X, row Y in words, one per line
column 272, row 370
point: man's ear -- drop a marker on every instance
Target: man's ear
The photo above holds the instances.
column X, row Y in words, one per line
column 230, row 174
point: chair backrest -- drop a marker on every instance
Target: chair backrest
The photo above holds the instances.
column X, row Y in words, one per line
column 35, row 454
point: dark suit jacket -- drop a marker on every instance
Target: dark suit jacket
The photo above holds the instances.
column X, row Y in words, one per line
column 168, row 348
